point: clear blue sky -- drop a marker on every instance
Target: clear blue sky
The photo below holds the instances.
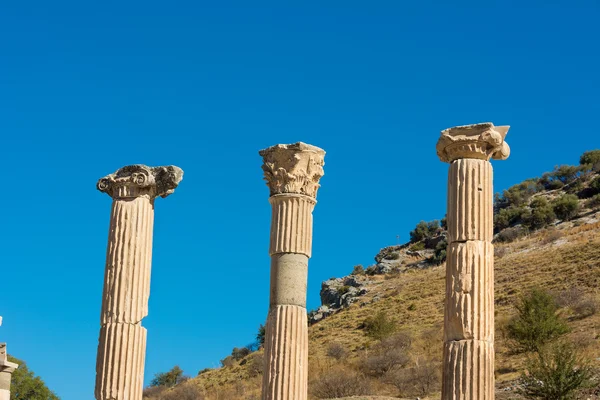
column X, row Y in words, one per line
column 87, row 87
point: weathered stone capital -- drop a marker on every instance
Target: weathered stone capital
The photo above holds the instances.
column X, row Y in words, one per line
column 479, row 141
column 293, row 168
column 141, row 180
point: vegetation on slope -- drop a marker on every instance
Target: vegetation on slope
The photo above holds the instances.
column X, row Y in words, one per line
column 547, row 253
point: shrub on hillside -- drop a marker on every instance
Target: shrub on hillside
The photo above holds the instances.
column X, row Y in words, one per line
column 389, row 354
column 240, row 352
column 419, row 380
column 337, row 351
column 260, row 335
column 439, row 255
column 567, row 173
column 541, row 214
column 594, row 202
column 168, row 379
column 379, row 326
column 256, row 364
column 537, row 321
column 507, row 217
column 185, row 391
column 566, row 207
column 587, row 307
column 425, row 230
column 511, row 234
column 518, row 195
column 228, row 361
column 417, row 246
column 358, row 270
column 339, row 383
column 556, row 372
column 591, row 158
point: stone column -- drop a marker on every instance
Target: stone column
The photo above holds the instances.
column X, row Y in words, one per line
column 469, row 309
column 292, row 173
column 6, row 370
column 122, row 343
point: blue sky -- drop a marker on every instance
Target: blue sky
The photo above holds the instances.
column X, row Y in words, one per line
column 87, row 87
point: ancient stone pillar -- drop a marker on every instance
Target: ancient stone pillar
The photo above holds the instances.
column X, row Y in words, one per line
column 122, row 343
column 292, row 173
column 469, row 309
column 6, row 370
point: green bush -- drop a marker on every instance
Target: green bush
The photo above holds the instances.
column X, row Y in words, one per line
column 591, row 158
column 379, row 326
column 440, row 252
column 567, row 173
column 507, row 217
column 518, row 195
column 511, row 234
column 417, row 246
column 556, row 372
column 566, row 207
column 240, row 352
column 536, row 322
column 168, row 379
column 260, row 335
column 358, row 270
column 555, row 184
column 424, row 230
column 594, row 202
column 595, row 185
column 541, row 214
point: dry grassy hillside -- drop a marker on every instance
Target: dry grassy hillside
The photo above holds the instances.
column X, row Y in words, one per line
column 554, row 259
column 548, row 238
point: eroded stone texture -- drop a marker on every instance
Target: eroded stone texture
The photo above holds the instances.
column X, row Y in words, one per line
column 122, row 341
column 469, row 309
column 6, row 370
column 292, row 173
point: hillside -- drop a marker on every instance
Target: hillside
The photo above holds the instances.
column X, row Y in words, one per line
column 404, row 291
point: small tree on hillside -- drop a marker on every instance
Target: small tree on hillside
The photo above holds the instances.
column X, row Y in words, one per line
column 26, row 386
column 168, row 379
column 541, row 215
column 260, row 336
column 555, row 373
column 424, row 230
column 566, row 207
column 591, row 158
column 537, row 321
column 379, row 326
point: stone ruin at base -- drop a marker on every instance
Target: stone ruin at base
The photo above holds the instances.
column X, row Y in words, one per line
column 6, row 370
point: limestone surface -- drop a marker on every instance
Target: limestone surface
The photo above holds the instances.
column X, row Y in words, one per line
column 292, row 173
column 478, row 141
column 293, row 168
column 122, row 341
column 468, row 372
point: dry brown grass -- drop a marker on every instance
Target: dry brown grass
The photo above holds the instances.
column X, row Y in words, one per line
column 415, row 300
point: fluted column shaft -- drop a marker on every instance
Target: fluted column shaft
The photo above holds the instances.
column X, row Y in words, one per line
column 122, row 345
column 468, row 368
column 122, row 341
column 293, row 193
column 469, row 323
